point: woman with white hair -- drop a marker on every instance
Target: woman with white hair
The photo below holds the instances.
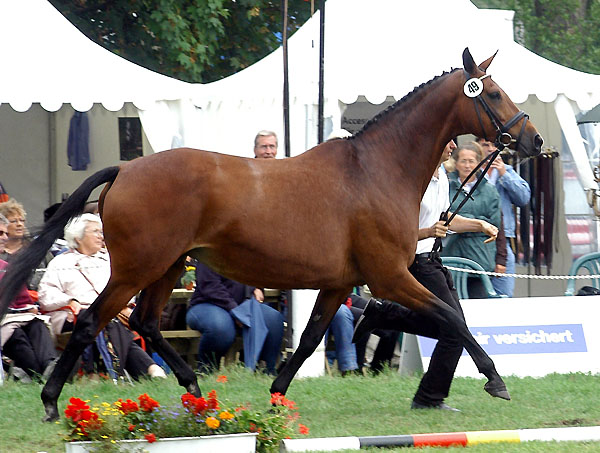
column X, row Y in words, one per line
column 72, row 282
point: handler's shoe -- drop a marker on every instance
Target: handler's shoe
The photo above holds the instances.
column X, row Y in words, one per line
column 369, row 320
column 439, row 406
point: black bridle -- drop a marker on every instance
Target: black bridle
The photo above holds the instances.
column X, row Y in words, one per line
column 503, row 140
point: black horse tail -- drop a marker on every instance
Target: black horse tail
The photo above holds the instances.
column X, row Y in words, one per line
column 23, row 265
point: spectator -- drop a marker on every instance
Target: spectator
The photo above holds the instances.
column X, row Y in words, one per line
column 71, row 284
column 485, row 205
column 18, row 238
column 513, row 190
column 210, row 312
column 265, row 145
column 428, row 269
column 24, row 335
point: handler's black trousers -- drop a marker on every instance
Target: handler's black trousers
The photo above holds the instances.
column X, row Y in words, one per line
column 435, row 385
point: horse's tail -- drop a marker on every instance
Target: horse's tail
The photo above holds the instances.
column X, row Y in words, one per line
column 21, row 268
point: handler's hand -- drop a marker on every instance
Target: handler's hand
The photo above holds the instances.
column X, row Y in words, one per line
column 490, row 230
column 500, row 269
column 438, row 230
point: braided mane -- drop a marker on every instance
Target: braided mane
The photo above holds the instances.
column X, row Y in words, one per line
column 396, row 104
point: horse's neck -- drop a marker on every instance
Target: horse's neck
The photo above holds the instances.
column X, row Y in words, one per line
column 408, row 140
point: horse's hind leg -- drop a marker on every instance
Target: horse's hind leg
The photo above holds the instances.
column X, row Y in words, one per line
column 145, row 320
column 325, row 308
column 416, row 297
column 89, row 323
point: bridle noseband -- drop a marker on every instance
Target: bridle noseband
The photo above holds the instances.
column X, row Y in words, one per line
column 503, row 138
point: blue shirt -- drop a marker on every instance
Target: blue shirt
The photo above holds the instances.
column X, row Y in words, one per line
column 513, row 190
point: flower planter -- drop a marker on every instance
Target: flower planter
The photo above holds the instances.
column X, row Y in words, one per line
column 222, row 443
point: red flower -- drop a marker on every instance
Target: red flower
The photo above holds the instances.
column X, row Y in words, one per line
column 147, row 404
column 193, row 404
column 150, row 437
column 277, row 399
column 77, row 410
column 303, row 429
column 200, row 405
column 131, row 427
column 212, row 400
column 188, row 399
column 127, row 406
column 222, row 378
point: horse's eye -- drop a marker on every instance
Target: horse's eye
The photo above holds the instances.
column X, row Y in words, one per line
column 495, row 95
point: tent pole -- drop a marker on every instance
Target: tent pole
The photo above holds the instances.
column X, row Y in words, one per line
column 321, row 68
column 286, row 86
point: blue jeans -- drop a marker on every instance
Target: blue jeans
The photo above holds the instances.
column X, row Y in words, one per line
column 506, row 285
column 342, row 328
column 218, row 331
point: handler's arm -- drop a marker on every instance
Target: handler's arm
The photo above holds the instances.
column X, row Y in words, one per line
column 462, row 224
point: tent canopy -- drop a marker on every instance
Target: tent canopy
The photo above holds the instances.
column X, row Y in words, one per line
column 47, row 60
column 380, row 49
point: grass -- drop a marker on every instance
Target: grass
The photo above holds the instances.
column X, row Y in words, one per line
column 335, row 406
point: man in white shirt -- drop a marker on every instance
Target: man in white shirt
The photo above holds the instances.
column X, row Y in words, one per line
column 430, row 272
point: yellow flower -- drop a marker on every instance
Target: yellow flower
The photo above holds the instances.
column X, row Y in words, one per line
column 225, row 415
column 212, row 422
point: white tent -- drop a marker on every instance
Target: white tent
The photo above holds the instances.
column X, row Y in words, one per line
column 379, row 49
column 49, row 70
column 47, row 60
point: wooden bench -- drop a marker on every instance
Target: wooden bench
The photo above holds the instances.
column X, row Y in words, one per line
column 186, row 341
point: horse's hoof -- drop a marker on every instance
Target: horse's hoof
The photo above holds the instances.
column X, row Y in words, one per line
column 194, row 389
column 497, row 389
column 51, row 413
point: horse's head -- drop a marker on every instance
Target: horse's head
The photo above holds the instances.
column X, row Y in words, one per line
column 491, row 113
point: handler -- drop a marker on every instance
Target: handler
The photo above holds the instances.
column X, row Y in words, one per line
column 427, row 268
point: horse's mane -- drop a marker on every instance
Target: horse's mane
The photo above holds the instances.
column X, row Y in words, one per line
column 396, row 104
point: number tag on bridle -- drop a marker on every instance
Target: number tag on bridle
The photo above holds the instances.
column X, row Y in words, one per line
column 473, row 87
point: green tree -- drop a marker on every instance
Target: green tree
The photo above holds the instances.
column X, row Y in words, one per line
column 192, row 40
column 564, row 31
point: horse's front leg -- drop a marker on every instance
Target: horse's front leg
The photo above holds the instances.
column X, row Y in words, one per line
column 414, row 296
column 327, row 304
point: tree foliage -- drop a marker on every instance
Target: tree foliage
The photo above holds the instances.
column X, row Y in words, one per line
column 192, row 40
column 205, row 40
column 564, row 31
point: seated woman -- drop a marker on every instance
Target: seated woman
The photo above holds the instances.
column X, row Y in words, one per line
column 19, row 239
column 210, row 313
column 70, row 285
column 485, row 205
column 25, row 338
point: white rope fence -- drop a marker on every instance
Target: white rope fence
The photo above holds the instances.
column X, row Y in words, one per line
column 538, row 277
column 452, row 268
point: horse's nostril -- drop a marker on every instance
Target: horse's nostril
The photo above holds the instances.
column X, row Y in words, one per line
column 538, row 141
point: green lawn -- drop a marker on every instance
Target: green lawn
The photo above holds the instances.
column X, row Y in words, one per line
column 336, row 406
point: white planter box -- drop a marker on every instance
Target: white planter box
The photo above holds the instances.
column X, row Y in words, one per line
column 222, row 443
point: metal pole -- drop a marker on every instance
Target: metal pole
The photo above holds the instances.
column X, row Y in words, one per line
column 321, row 68
column 286, row 86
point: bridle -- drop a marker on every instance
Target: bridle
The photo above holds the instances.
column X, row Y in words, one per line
column 503, row 138
column 473, row 88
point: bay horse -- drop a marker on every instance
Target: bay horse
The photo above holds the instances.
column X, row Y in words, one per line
column 342, row 214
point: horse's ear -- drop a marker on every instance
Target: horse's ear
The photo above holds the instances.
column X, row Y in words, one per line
column 483, row 66
column 468, row 62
